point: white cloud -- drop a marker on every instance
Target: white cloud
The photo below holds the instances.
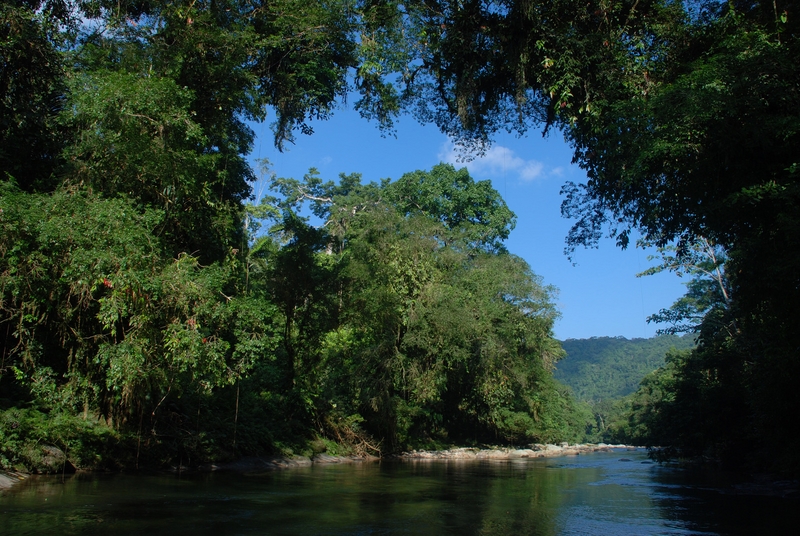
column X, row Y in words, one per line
column 497, row 162
column 532, row 170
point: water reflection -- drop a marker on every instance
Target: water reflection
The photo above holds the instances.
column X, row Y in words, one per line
column 591, row 494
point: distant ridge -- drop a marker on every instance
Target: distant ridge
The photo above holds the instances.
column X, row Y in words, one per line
column 602, row 368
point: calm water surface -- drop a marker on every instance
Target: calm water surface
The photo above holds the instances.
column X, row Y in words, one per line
column 592, row 494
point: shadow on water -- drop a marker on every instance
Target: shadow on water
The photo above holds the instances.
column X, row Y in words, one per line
column 717, row 502
column 590, row 494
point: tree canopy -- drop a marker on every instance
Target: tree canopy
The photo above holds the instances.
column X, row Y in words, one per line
column 447, row 336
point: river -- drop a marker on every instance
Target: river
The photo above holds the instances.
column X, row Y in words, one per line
column 616, row 493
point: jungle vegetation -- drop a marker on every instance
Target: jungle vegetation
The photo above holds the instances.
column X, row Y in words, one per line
column 603, row 368
column 152, row 312
column 684, row 116
column 605, row 375
column 142, row 307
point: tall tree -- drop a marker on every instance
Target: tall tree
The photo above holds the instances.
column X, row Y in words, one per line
column 442, row 334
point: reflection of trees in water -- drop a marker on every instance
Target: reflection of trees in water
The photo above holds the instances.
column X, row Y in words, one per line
column 714, row 501
column 591, row 494
column 525, row 501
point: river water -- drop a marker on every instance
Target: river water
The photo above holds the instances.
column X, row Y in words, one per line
column 616, row 493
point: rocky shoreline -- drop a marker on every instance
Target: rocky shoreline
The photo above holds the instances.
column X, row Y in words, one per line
column 257, row 464
column 501, row 453
column 260, row 464
column 763, row 485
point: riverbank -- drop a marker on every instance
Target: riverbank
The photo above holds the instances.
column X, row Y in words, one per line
column 748, row 485
column 504, row 453
column 260, row 464
column 752, row 485
column 254, row 464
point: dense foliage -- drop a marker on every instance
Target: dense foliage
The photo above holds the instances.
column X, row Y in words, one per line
column 685, row 117
column 148, row 314
column 133, row 287
column 608, row 377
column 441, row 334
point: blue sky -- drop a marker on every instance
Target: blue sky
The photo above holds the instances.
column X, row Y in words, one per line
column 600, row 296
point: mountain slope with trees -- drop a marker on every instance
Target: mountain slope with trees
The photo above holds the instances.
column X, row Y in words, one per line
column 605, row 368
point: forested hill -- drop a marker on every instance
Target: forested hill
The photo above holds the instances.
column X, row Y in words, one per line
column 601, row 368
